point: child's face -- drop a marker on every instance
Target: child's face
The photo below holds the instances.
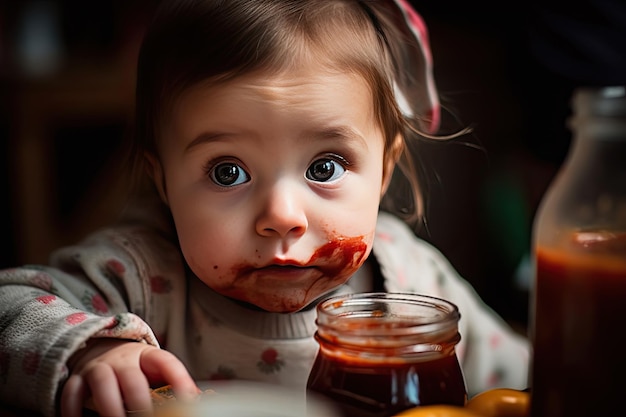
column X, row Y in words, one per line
column 274, row 184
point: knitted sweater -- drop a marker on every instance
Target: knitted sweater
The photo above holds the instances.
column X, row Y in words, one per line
column 131, row 282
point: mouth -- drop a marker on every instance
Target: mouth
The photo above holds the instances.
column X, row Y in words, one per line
column 276, row 262
column 285, row 271
column 290, row 268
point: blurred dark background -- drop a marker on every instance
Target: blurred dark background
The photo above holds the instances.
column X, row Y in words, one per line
column 66, row 95
column 507, row 70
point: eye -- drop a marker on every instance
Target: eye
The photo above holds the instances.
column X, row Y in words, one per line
column 326, row 169
column 228, row 174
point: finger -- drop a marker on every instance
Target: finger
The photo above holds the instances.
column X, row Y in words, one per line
column 135, row 390
column 105, row 391
column 162, row 365
column 73, row 397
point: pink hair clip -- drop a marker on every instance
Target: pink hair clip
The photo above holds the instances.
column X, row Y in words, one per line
column 424, row 95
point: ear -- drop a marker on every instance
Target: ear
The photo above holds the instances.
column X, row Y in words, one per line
column 155, row 171
column 392, row 155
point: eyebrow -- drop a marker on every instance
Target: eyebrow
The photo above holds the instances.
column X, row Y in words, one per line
column 344, row 133
column 336, row 132
column 206, row 138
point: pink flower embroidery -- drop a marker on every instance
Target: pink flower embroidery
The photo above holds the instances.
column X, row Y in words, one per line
column 495, row 340
column 76, row 318
column 112, row 323
column 402, row 277
column 160, row 285
column 94, row 302
column 98, row 304
column 116, row 267
column 30, row 363
column 384, row 236
column 270, row 362
column 46, row 299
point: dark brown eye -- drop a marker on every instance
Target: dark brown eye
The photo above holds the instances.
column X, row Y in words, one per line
column 324, row 170
column 229, row 174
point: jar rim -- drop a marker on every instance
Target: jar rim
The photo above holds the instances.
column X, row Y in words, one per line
column 388, row 314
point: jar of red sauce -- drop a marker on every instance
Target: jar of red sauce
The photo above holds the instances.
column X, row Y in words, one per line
column 382, row 353
column 578, row 300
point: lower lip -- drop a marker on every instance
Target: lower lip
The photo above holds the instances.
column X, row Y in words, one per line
column 284, row 273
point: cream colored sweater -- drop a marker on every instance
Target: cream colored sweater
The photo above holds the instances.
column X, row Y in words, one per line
column 130, row 282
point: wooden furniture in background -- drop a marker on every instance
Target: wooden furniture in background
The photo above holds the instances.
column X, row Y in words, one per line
column 65, row 157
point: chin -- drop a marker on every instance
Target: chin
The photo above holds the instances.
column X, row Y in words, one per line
column 280, row 307
column 279, row 302
column 285, row 309
column 306, row 304
column 289, row 306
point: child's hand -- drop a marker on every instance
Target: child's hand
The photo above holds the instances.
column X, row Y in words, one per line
column 117, row 375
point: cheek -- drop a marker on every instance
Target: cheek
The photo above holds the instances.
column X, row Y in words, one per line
column 204, row 242
column 360, row 214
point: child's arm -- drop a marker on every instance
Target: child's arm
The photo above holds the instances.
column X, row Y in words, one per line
column 98, row 289
column 43, row 322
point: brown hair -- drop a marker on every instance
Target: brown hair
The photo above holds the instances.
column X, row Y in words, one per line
column 193, row 41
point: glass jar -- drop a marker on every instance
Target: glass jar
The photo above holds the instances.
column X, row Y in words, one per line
column 381, row 353
column 579, row 257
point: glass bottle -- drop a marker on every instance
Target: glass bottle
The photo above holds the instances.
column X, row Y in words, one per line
column 382, row 353
column 578, row 301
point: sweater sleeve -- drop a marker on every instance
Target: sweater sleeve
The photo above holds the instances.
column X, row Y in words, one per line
column 47, row 313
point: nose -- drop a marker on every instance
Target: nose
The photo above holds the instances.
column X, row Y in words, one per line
column 282, row 212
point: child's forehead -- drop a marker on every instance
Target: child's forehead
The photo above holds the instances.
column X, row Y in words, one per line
column 315, row 95
column 315, row 72
column 268, row 82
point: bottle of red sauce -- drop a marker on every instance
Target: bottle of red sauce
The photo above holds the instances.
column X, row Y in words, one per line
column 578, row 314
column 382, row 353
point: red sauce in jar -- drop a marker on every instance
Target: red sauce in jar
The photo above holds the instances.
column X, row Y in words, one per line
column 580, row 315
column 372, row 363
column 384, row 389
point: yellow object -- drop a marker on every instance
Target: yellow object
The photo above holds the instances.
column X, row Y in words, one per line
column 437, row 411
column 498, row 402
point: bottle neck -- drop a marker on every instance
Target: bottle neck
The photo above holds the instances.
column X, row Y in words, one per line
column 599, row 114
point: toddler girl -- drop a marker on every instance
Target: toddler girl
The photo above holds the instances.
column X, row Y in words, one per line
column 270, row 130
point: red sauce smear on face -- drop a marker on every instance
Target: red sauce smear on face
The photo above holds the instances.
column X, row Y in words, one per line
column 344, row 253
column 340, row 255
column 336, row 260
